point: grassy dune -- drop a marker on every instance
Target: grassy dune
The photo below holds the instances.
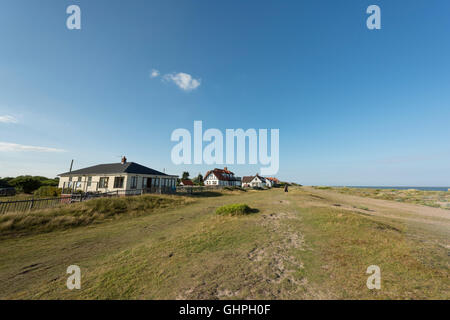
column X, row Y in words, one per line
column 85, row 213
column 306, row 244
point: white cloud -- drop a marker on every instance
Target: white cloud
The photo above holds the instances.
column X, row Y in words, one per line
column 155, row 73
column 183, row 80
column 8, row 119
column 14, row 147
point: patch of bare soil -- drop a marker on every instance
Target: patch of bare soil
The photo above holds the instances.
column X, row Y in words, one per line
column 274, row 261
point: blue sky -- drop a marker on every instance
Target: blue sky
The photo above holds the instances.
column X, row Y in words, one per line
column 354, row 106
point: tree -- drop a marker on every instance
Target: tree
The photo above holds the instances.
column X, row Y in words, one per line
column 26, row 184
column 4, row 182
column 185, row 175
column 198, row 180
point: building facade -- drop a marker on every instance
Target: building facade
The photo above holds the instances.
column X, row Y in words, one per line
column 221, row 177
column 124, row 176
column 255, row 181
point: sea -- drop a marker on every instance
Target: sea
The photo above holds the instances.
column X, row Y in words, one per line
column 404, row 188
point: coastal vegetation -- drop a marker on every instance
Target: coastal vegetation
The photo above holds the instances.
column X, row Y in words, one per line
column 305, row 244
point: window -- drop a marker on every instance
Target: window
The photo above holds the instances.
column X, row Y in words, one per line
column 144, row 183
column 133, row 183
column 103, row 183
column 89, row 181
column 78, row 184
column 118, row 182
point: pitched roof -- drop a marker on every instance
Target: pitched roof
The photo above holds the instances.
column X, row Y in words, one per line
column 187, row 182
column 115, row 168
column 249, row 179
column 220, row 174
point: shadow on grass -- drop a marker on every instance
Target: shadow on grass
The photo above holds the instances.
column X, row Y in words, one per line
column 206, row 194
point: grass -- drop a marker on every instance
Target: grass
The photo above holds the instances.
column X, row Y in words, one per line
column 234, row 209
column 347, row 243
column 297, row 247
column 85, row 213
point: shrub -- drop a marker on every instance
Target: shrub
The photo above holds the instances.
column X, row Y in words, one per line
column 4, row 182
column 26, row 184
column 234, row 209
column 47, row 191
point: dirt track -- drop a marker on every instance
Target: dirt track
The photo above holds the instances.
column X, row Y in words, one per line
column 418, row 215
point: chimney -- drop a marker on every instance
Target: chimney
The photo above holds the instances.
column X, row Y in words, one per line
column 124, row 160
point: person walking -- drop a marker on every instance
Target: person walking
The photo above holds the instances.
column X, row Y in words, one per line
column 285, row 188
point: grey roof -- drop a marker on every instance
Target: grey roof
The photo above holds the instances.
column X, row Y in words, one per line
column 115, row 168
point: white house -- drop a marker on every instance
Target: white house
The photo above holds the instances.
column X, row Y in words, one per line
column 269, row 183
column 123, row 176
column 255, row 181
column 221, row 177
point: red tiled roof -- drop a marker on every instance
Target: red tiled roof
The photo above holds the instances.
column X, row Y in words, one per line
column 187, row 182
column 219, row 173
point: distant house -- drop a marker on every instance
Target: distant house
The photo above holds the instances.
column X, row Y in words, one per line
column 186, row 182
column 273, row 181
column 123, row 176
column 221, row 177
column 255, row 181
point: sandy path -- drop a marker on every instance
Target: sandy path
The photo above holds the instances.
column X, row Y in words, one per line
column 386, row 208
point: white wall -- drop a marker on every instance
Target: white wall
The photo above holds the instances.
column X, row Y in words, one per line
column 64, row 181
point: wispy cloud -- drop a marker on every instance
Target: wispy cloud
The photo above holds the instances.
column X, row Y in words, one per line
column 154, row 73
column 183, row 80
column 8, row 119
column 14, row 147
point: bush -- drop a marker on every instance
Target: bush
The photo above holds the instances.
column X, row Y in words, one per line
column 47, row 191
column 4, row 182
column 234, row 209
column 27, row 184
